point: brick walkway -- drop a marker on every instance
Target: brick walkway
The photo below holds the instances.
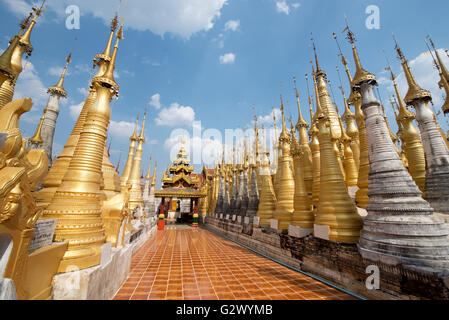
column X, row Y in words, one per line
column 194, row 264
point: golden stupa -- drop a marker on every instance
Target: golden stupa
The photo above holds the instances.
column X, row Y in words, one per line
column 267, row 197
column 76, row 204
column 302, row 215
column 59, row 168
column 286, row 190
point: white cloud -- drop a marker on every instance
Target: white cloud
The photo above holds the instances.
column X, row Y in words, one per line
column 29, row 85
column 268, row 119
column 121, row 129
column 18, row 7
column 156, row 101
column 232, row 25
column 228, row 58
column 296, row 5
column 179, row 17
column 75, row 110
column 426, row 76
column 283, row 7
column 83, row 68
column 147, row 60
column 56, row 71
column 175, row 115
column 84, row 92
column 199, row 149
column 128, row 73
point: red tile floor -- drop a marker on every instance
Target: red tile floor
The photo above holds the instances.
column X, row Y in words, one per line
column 194, row 264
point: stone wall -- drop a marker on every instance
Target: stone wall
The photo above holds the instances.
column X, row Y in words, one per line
column 100, row 282
column 338, row 263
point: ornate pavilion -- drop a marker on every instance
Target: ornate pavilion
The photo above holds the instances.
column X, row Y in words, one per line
column 181, row 190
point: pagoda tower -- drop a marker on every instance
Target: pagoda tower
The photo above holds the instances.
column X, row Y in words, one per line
column 286, row 192
column 221, row 189
column 226, row 198
column 267, row 200
column 275, row 169
column 302, row 215
column 243, row 192
column 336, row 210
column 235, row 187
column 36, row 141
column 349, row 117
column 257, row 155
column 135, row 192
column 129, row 161
column 355, row 100
column 54, row 177
column 146, row 188
column 315, row 148
column 56, row 93
column 304, row 148
column 76, row 204
column 400, row 225
column 12, row 57
column 151, row 198
column 327, row 106
column 399, row 134
column 253, row 200
column 349, row 162
column 411, row 142
column 436, row 151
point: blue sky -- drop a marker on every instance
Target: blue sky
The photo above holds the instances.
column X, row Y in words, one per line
column 210, row 61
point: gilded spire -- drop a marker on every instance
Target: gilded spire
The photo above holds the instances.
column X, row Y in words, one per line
column 148, row 176
column 276, row 142
column 107, row 79
column 134, row 136
column 442, row 67
column 312, row 115
column 142, row 131
column 106, row 55
column 6, row 68
column 37, row 138
column 58, row 89
column 256, row 134
column 153, row 180
column 354, row 96
column 444, row 76
column 403, row 111
column 117, row 169
column 301, row 122
column 25, row 40
column 318, row 70
column 361, row 75
column 135, row 192
column 284, row 137
column 319, row 110
column 129, row 161
column 348, row 114
column 326, row 104
column 415, row 92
